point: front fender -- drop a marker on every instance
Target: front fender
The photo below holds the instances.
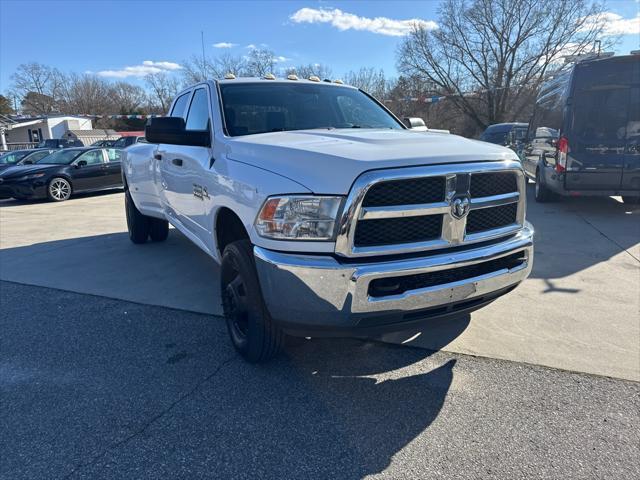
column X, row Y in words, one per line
column 243, row 188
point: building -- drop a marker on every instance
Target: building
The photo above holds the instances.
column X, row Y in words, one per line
column 21, row 132
column 88, row 137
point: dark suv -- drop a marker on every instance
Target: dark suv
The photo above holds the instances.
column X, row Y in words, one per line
column 507, row 134
column 584, row 136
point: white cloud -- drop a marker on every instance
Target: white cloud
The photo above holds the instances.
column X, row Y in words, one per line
column 348, row 21
column 280, row 59
column 145, row 68
column 251, row 46
column 224, row 45
column 615, row 24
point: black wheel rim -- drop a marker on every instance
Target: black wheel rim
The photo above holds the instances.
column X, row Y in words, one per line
column 235, row 305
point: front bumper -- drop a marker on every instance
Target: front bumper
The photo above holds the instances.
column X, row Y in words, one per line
column 319, row 294
column 23, row 189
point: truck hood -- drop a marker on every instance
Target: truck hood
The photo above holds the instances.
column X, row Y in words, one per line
column 328, row 161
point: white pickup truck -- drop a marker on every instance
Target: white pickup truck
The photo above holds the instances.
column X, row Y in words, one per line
column 327, row 215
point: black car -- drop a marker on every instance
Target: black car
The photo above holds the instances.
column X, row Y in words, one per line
column 507, row 134
column 8, row 159
column 584, row 136
column 60, row 143
column 62, row 173
column 23, row 157
column 103, row 143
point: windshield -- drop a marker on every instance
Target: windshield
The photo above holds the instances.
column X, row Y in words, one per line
column 12, row 157
column 62, row 157
column 251, row 108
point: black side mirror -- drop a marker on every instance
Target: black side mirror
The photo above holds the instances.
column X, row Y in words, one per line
column 27, row 162
column 81, row 163
column 172, row 130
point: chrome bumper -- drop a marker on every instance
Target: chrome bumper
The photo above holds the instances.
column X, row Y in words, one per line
column 317, row 291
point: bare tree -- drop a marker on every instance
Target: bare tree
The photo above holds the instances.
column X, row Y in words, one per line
column 127, row 98
column 259, row 62
column 5, row 106
column 164, row 88
column 312, row 69
column 370, row 80
column 197, row 69
column 227, row 63
column 489, row 55
column 37, row 86
column 85, row 94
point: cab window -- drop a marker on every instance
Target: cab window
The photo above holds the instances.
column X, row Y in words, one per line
column 198, row 116
column 179, row 106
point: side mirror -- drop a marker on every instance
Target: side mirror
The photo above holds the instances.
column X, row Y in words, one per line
column 172, row 130
column 414, row 123
column 27, row 162
column 81, row 163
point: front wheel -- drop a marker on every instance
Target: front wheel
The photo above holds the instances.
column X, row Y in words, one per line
column 59, row 189
column 253, row 333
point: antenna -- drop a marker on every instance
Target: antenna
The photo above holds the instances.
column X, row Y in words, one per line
column 204, row 64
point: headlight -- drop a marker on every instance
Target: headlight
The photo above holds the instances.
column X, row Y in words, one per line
column 32, row 176
column 298, row 217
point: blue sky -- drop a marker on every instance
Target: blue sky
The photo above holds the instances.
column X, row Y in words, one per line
column 109, row 36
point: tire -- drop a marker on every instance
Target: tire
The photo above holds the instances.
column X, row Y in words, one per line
column 137, row 223
column 59, row 189
column 630, row 200
column 253, row 333
column 158, row 229
column 543, row 194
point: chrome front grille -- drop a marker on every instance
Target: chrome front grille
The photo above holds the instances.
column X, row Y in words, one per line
column 424, row 208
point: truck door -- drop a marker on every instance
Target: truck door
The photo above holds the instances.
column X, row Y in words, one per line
column 183, row 169
column 596, row 131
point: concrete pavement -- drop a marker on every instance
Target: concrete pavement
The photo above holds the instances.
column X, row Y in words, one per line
column 579, row 310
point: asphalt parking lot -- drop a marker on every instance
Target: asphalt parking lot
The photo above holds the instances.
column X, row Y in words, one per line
column 111, row 365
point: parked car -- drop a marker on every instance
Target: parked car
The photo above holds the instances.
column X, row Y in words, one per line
column 25, row 157
column 60, row 143
column 124, row 142
column 65, row 172
column 584, row 136
column 103, row 143
column 328, row 216
column 12, row 157
column 507, row 134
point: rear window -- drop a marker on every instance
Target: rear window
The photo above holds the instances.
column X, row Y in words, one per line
column 601, row 99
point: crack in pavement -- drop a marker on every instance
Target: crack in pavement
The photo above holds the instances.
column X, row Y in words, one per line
column 150, row 422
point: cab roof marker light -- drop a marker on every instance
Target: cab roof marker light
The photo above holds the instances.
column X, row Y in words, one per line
column 269, row 76
column 338, row 81
column 229, row 76
column 292, row 77
column 314, row 78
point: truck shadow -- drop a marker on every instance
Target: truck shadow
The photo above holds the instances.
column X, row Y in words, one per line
column 346, row 408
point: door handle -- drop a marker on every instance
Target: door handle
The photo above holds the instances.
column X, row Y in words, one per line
column 157, row 156
column 177, row 161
